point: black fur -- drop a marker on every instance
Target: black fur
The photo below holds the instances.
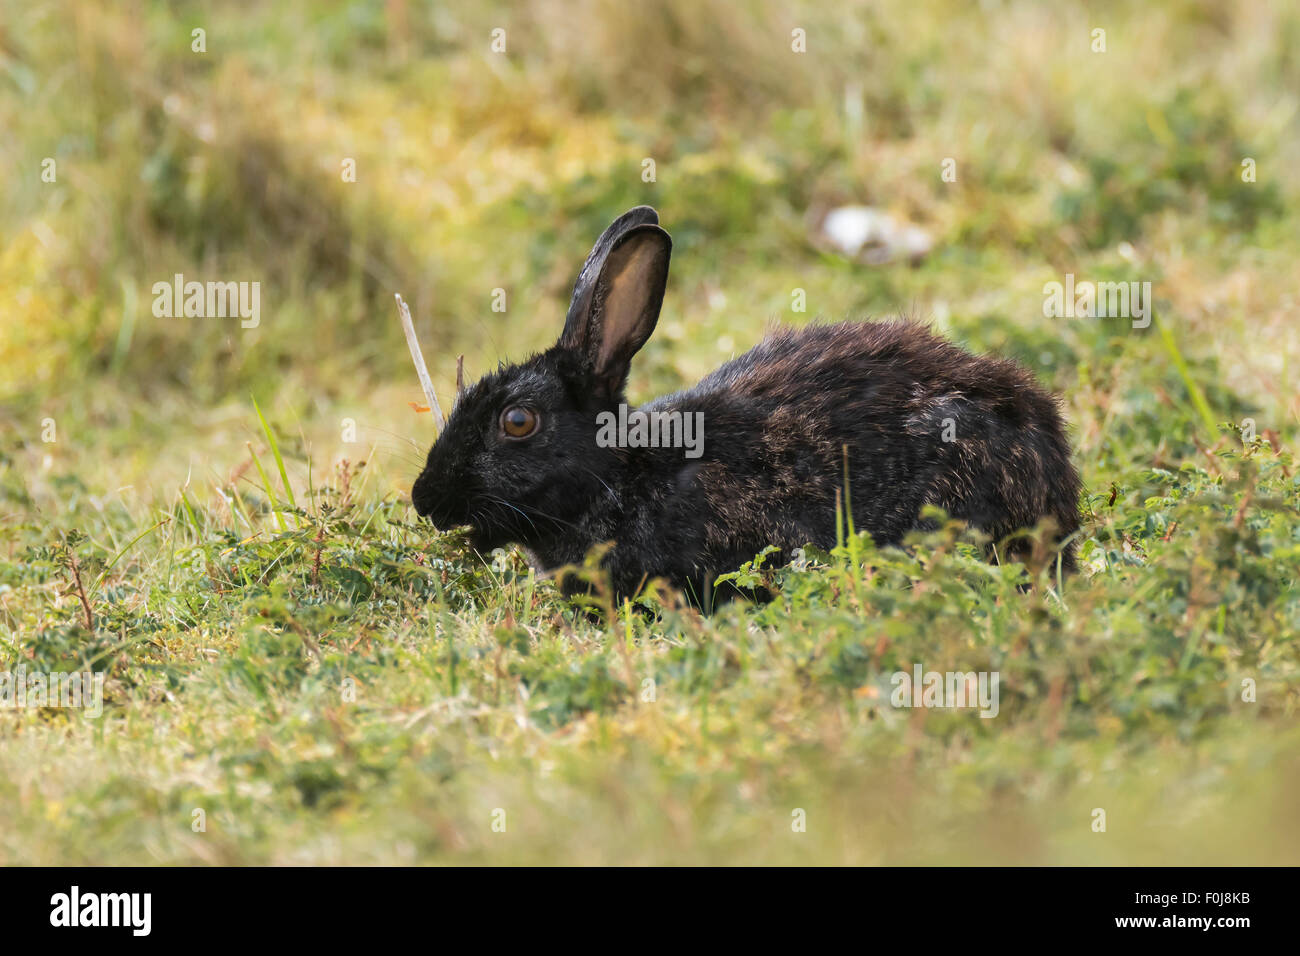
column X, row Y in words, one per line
column 778, row 424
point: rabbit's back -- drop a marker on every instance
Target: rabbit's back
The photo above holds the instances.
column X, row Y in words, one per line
column 879, row 370
column 911, row 419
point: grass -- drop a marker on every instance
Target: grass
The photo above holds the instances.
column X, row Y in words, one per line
column 289, row 651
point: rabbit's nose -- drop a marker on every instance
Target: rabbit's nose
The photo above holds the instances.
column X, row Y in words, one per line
column 423, row 496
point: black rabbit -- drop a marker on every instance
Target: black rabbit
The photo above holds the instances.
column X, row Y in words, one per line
column 527, row 457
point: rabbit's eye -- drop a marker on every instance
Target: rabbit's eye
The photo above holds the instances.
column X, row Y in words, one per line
column 519, row 422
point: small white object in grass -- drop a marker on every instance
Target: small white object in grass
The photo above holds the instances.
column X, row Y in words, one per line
column 874, row 236
column 849, row 228
column 420, row 368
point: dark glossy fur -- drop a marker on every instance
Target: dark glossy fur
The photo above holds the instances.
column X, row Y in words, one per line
column 778, row 423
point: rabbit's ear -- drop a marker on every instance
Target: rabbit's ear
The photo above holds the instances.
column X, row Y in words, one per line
column 618, row 295
column 586, row 284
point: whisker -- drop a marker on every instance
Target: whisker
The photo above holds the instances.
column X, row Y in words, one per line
column 602, row 481
column 549, row 517
column 502, row 501
column 405, row 439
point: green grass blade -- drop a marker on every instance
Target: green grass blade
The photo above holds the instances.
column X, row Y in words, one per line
column 1185, row 373
column 275, row 452
column 270, row 492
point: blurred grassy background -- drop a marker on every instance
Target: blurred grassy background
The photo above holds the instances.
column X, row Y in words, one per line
column 478, row 171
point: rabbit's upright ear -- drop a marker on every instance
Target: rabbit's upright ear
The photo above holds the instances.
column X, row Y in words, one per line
column 617, row 297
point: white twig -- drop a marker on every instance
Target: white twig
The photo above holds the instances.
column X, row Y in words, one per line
column 420, row 368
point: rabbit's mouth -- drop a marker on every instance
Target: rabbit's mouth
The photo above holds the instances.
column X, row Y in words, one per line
column 490, row 521
column 449, row 512
column 486, row 529
column 482, row 540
